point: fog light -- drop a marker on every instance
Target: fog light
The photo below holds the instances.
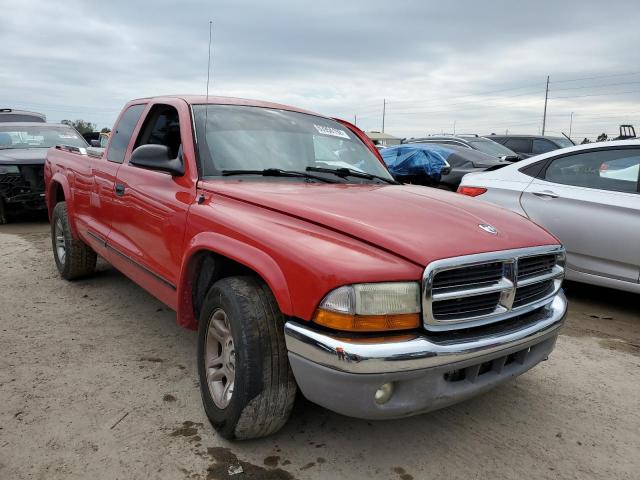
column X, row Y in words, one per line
column 383, row 394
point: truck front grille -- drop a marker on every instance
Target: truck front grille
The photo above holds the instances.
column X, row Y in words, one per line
column 478, row 289
column 466, row 306
column 29, row 181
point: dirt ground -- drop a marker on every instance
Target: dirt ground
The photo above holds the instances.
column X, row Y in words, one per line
column 97, row 381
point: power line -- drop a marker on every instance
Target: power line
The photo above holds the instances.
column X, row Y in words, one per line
column 596, row 94
column 595, row 86
column 594, row 77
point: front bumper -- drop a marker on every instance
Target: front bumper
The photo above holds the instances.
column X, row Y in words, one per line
column 23, row 190
column 427, row 371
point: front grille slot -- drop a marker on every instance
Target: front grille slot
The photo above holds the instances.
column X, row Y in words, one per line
column 471, row 275
column 466, row 306
column 534, row 266
column 475, row 290
column 531, row 293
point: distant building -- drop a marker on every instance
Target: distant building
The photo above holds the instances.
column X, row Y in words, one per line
column 385, row 139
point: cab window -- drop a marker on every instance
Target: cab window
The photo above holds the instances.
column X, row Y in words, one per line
column 161, row 127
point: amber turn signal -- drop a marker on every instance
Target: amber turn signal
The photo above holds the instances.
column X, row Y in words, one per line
column 366, row 323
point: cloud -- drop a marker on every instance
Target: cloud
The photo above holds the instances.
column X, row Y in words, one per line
column 481, row 66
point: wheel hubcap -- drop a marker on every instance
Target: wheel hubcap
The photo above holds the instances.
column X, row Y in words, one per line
column 61, row 248
column 220, row 359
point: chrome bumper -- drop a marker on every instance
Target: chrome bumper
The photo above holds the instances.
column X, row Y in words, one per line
column 402, row 353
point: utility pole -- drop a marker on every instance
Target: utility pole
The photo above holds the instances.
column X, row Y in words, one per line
column 454, row 127
column 355, row 119
column 570, row 124
column 384, row 111
column 546, row 98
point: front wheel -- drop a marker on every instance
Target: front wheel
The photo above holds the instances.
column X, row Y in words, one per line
column 73, row 257
column 246, row 382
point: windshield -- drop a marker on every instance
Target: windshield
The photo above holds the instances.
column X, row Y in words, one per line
column 492, row 148
column 256, row 138
column 38, row 136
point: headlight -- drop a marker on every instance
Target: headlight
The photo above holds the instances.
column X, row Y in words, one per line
column 371, row 307
column 4, row 169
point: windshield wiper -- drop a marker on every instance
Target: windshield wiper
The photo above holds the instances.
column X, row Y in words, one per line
column 348, row 172
column 276, row 172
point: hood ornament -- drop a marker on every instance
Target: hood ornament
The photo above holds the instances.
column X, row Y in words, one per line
column 489, row 228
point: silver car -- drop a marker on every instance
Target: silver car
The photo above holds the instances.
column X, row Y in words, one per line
column 588, row 196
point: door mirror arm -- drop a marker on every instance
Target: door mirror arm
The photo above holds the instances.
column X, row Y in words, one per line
column 157, row 157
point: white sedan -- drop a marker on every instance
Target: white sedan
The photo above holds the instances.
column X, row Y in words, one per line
column 588, row 196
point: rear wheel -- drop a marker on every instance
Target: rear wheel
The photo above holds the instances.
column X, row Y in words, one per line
column 73, row 257
column 246, row 383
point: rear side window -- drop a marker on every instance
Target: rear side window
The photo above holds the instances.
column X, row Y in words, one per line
column 534, row 169
column 613, row 170
column 122, row 133
column 541, row 145
column 522, row 145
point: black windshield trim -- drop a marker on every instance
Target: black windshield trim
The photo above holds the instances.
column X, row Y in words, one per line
column 276, row 172
column 348, row 172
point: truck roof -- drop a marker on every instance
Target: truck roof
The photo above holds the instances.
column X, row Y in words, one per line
column 216, row 100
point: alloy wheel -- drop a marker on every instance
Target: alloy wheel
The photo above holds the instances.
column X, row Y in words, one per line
column 220, row 359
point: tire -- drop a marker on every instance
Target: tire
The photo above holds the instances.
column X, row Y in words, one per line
column 77, row 259
column 263, row 388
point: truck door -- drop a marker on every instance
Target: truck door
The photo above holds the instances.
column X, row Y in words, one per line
column 104, row 172
column 591, row 202
column 151, row 205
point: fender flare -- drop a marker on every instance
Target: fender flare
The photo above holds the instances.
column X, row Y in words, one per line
column 59, row 178
column 249, row 256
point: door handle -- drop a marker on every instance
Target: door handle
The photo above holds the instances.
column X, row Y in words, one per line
column 545, row 193
column 119, row 189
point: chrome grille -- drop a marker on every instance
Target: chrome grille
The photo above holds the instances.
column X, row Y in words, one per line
column 473, row 290
column 474, row 275
column 536, row 265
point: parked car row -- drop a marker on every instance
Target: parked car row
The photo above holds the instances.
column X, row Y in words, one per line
column 528, row 145
column 434, row 164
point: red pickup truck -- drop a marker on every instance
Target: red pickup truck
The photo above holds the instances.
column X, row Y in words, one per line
column 280, row 235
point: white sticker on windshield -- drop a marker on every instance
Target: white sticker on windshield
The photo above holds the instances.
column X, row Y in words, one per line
column 334, row 132
column 62, row 135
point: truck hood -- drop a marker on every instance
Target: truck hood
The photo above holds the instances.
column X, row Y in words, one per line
column 22, row 156
column 420, row 224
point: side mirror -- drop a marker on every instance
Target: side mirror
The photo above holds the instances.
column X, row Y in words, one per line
column 157, row 157
column 95, row 143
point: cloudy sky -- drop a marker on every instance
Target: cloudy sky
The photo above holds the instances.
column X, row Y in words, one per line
column 479, row 65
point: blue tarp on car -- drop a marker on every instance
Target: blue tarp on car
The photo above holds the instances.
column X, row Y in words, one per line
column 416, row 159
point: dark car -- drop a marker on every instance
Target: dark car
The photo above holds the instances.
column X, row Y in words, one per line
column 529, row 145
column 433, row 164
column 12, row 115
column 474, row 142
column 23, row 147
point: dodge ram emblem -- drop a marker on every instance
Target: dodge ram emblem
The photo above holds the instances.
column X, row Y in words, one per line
column 488, row 228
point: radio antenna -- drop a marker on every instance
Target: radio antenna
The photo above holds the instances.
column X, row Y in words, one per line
column 206, row 107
